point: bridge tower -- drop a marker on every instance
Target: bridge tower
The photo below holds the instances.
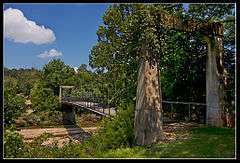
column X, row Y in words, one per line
column 68, row 111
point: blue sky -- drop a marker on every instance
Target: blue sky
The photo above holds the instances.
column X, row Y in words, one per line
column 74, row 26
column 73, row 34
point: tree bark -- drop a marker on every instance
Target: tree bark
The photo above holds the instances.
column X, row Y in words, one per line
column 215, row 80
column 148, row 113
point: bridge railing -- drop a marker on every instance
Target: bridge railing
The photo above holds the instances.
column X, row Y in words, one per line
column 97, row 103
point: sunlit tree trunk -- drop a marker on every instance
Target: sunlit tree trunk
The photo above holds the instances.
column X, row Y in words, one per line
column 215, row 81
column 148, row 113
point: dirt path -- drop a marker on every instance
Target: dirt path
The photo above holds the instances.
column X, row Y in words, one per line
column 57, row 132
column 61, row 135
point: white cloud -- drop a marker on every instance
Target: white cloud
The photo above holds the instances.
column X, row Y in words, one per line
column 19, row 29
column 49, row 54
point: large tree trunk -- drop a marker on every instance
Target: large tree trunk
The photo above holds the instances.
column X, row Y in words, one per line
column 148, row 113
column 215, row 83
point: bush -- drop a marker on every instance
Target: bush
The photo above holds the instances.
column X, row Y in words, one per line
column 43, row 118
column 13, row 144
column 43, row 98
column 36, row 149
column 14, row 105
column 114, row 134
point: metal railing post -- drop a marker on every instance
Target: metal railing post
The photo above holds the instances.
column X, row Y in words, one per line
column 104, row 97
column 88, row 100
column 93, row 101
column 189, row 112
column 60, row 94
column 108, row 104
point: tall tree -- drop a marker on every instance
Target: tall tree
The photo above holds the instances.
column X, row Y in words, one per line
column 56, row 73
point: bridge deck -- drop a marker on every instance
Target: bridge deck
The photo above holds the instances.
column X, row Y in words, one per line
column 92, row 106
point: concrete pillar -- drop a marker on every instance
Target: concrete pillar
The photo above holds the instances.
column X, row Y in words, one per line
column 68, row 115
column 148, row 112
column 214, row 87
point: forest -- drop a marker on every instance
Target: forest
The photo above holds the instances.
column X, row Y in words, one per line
column 31, row 96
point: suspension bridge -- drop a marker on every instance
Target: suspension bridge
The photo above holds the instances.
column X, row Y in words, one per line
column 97, row 104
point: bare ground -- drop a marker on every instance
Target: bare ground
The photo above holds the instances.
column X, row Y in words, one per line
column 62, row 135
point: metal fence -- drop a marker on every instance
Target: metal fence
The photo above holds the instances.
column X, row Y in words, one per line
column 184, row 111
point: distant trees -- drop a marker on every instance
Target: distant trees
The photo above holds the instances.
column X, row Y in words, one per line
column 17, row 84
column 25, row 78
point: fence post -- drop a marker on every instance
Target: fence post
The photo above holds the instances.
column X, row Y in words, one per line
column 189, row 112
column 60, row 94
column 89, row 96
column 89, row 101
column 103, row 104
column 108, row 105
column 93, row 101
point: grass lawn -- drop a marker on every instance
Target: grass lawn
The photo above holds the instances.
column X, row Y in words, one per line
column 203, row 143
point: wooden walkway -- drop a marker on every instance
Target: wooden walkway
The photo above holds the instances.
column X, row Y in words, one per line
column 96, row 107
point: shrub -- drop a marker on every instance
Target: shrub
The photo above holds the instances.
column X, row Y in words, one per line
column 115, row 133
column 43, row 98
column 36, row 149
column 14, row 105
column 13, row 144
column 44, row 118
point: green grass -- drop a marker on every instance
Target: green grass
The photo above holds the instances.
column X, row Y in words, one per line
column 204, row 143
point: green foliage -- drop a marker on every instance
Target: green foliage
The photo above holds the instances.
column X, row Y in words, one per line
column 43, row 98
column 56, row 73
column 11, row 84
column 210, row 11
column 13, row 144
column 181, row 55
column 24, row 79
column 43, row 118
column 114, row 133
column 14, row 105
